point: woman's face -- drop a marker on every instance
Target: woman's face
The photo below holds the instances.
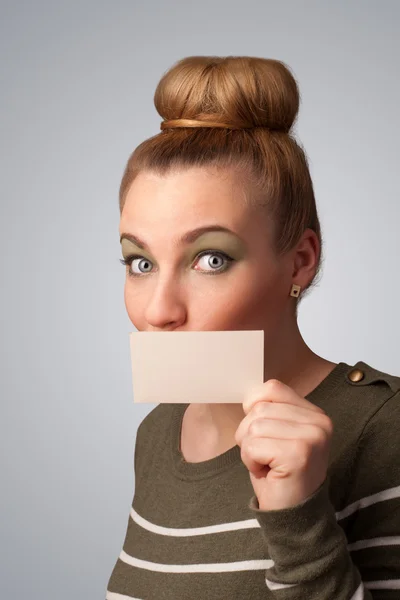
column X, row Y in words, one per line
column 218, row 280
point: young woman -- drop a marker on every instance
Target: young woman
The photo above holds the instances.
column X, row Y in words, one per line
column 296, row 492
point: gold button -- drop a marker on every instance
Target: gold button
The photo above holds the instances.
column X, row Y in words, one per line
column 356, row 375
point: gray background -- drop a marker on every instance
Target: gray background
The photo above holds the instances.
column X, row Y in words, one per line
column 77, row 85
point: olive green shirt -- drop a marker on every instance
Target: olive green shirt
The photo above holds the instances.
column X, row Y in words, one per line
column 195, row 530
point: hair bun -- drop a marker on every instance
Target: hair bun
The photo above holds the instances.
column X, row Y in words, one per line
column 242, row 91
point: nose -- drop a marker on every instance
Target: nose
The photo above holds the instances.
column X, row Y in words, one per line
column 166, row 306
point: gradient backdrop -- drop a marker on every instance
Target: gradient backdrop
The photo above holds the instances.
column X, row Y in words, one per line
column 77, row 84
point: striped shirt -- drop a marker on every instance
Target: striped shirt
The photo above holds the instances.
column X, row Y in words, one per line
column 195, row 530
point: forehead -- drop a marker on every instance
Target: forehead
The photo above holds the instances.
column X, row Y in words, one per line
column 185, row 198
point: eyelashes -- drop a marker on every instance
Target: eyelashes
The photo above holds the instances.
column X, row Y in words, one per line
column 128, row 261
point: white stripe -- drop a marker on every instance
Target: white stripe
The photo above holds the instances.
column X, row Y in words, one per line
column 359, row 593
column 253, row 523
column 249, row 564
column 388, row 584
column 240, row 525
column 380, row 541
column 191, row 531
column 242, row 565
column 115, row 596
column 388, row 494
column 272, row 585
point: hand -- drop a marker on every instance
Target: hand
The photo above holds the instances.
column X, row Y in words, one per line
column 285, row 443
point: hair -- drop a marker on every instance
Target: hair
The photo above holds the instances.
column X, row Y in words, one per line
column 256, row 101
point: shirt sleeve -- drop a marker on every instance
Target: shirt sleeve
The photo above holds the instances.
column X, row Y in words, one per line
column 353, row 554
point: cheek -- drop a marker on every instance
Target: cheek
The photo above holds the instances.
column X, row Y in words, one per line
column 134, row 302
column 260, row 287
column 263, row 298
column 249, row 302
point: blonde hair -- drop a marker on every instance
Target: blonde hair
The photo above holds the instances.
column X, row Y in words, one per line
column 257, row 101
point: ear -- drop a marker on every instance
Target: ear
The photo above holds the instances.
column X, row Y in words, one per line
column 305, row 258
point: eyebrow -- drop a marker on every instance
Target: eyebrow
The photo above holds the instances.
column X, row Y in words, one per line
column 188, row 238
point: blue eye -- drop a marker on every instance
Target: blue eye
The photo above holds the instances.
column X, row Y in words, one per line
column 228, row 259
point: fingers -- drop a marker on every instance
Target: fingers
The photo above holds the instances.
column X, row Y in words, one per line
column 274, row 390
column 278, row 412
column 283, row 456
column 278, row 427
column 287, row 430
column 287, row 412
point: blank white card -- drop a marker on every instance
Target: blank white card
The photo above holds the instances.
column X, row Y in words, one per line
column 196, row 366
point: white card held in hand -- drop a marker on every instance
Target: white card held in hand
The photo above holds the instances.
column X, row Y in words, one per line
column 196, row 366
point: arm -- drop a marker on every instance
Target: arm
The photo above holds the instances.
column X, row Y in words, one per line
column 351, row 555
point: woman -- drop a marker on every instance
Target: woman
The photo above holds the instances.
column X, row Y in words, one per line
column 296, row 492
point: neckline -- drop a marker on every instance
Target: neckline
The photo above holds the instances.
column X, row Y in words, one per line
column 208, row 468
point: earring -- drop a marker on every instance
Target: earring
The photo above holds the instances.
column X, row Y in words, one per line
column 295, row 291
